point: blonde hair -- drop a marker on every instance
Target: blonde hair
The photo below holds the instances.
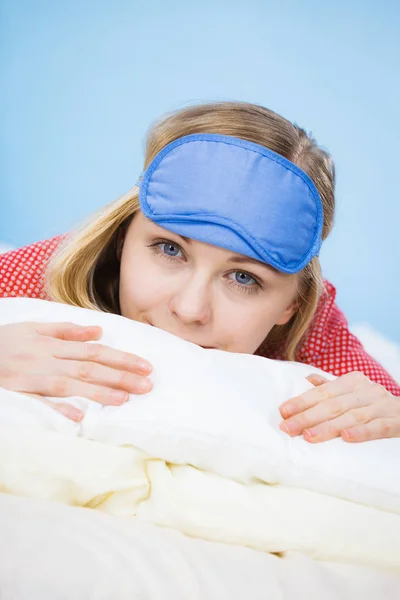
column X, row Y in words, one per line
column 85, row 269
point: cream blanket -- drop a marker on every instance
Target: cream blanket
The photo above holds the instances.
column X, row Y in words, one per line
column 40, row 463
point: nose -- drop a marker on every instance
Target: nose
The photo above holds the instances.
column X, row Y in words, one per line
column 192, row 302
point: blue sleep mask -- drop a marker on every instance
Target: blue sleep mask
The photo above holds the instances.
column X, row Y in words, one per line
column 235, row 194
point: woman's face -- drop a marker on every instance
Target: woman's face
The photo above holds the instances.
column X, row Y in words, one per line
column 201, row 293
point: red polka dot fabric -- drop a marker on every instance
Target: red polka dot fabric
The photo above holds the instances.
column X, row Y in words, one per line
column 329, row 345
column 22, row 270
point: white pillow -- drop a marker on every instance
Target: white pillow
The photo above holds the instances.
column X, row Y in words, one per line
column 218, row 411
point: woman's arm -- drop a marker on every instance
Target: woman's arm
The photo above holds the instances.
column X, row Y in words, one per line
column 22, row 270
column 345, row 354
column 331, row 346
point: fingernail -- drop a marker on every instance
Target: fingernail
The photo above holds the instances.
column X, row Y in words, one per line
column 86, row 332
column 77, row 416
column 71, row 412
column 119, row 398
column 316, row 379
column 92, row 330
column 144, row 366
column 290, row 428
column 143, row 385
column 310, row 433
column 287, row 410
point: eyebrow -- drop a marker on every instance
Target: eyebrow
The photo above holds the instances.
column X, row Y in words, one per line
column 246, row 259
column 239, row 258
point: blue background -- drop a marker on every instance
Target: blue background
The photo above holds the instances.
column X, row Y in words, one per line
column 82, row 81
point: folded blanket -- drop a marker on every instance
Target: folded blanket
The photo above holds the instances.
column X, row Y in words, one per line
column 125, row 481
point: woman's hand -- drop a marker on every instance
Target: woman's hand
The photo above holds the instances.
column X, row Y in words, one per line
column 53, row 359
column 351, row 407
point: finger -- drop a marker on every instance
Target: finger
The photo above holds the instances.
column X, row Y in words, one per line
column 64, row 387
column 69, row 411
column 316, row 379
column 104, row 355
column 334, row 427
column 69, row 331
column 324, row 411
column 324, row 391
column 377, row 429
column 105, row 376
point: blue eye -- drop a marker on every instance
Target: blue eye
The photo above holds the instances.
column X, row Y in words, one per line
column 244, row 278
column 170, row 249
column 244, row 282
column 167, row 249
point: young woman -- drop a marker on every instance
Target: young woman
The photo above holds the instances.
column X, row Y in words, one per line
column 218, row 244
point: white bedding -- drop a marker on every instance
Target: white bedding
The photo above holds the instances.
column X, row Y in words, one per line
column 125, row 481
column 54, row 552
column 203, row 454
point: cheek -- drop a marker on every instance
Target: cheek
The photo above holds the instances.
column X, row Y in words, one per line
column 140, row 290
column 245, row 327
column 247, row 322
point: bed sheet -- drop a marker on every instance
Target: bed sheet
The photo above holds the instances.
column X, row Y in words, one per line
column 51, row 551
